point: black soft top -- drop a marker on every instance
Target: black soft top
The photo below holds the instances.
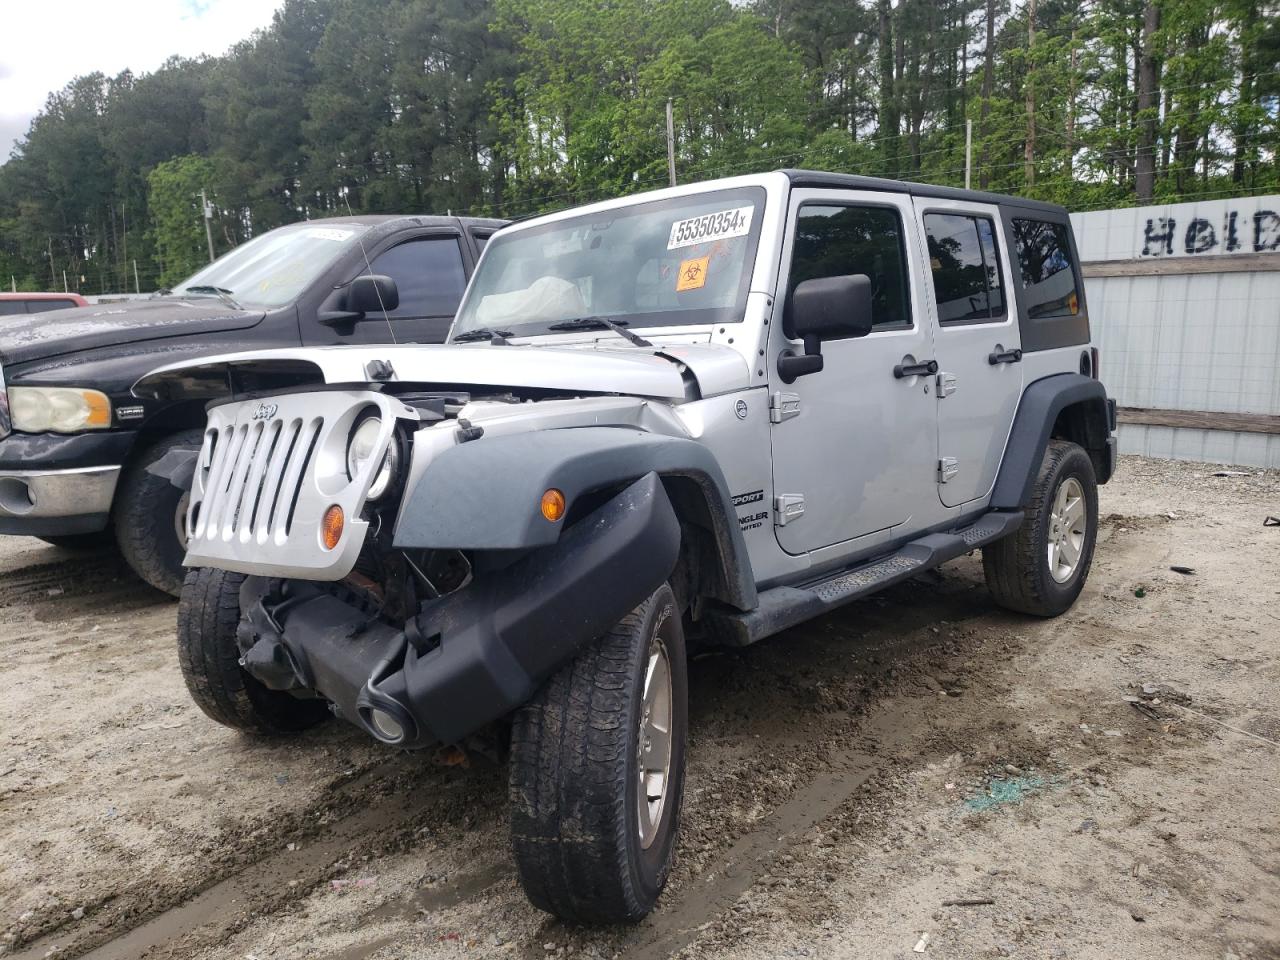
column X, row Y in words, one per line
column 848, row 181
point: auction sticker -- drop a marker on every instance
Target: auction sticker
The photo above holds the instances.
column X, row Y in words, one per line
column 329, row 233
column 710, row 226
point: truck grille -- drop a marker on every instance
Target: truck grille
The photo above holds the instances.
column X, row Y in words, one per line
column 255, row 476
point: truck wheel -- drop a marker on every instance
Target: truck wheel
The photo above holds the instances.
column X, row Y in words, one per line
column 1041, row 568
column 150, row 517
column 208, row 615
column 597, row 771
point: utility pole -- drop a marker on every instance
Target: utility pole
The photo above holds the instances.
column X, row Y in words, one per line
column 671, row 144
column 65, row 289
column 53, row 273
column 1029, row 151
column 13, row 284
column 137, row 287
column 207, row 207
column 968, row 154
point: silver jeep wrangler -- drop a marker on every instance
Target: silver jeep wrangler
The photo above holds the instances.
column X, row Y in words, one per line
column 694, row 416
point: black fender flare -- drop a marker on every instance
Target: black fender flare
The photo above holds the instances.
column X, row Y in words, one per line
column 1038, row 410
column 485, row 494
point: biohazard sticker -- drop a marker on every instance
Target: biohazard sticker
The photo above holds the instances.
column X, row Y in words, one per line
column 711, row 226
column 692, row 274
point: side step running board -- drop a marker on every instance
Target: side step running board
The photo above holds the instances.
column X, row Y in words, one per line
column 783, row 607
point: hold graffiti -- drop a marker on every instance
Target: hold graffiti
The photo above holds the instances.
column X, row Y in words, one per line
column 1162, row 235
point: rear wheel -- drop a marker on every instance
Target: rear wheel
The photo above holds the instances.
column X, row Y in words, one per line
column 150, row 517
column 1042, row 567
column 597, row 771
column 208, row 615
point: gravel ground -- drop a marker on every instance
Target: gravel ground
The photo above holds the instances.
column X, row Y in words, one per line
column 920, row 773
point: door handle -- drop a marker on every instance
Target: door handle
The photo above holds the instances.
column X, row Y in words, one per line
column 914, row 368
column 1001, row 355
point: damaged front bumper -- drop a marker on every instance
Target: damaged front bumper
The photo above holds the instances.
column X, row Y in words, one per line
column 471, row 656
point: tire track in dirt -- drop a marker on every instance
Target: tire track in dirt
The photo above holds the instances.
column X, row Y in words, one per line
column 206, row 914
column 750, row 856
column 76, row 585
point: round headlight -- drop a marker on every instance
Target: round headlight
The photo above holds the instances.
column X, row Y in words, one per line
column 363, row 447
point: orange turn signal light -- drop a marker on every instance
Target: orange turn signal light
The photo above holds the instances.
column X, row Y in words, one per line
column 553, row 504
column 99, row 409
column 331, row 527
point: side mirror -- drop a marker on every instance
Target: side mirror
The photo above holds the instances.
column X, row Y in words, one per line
column 372, row 294
column 828, row 308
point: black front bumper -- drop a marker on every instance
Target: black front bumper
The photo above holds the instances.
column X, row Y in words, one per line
column 52, row 485
column 474, row 655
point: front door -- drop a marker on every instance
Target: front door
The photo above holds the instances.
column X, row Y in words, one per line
column 430, row 274
column 855, row 444
column 977, row 344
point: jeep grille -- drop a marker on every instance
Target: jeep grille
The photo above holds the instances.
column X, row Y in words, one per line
column 255, row 476
column 267, row 472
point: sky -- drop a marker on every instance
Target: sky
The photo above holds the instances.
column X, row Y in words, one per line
column 45, row 45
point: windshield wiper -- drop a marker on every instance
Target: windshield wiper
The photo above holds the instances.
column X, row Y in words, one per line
column 222, row 293
column 495, row 337
column 602, row 323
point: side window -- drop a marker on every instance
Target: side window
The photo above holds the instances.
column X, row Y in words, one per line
column 41, row 306
column 429, row 275
column 1048, row 275
column 10, row 307
column 481, row 240
column 966, row 269
column 832, row 241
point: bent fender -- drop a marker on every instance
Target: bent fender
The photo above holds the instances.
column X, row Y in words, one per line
column 474, row 655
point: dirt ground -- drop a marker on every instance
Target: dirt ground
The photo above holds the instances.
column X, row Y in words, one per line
column 920, row 773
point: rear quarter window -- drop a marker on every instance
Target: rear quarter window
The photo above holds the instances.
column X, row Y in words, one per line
column 10, row 307
column 1050, row 299
column 1049, row 286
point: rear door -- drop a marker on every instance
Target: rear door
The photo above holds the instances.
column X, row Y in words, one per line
column 976, row 343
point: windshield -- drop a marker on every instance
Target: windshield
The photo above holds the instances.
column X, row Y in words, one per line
column 684, row 260
column 273, row 269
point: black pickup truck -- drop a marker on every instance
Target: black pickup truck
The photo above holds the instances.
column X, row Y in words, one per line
column 76, row 443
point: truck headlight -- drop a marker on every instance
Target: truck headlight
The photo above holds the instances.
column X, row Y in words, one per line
column 363, row 447
column 58, row 409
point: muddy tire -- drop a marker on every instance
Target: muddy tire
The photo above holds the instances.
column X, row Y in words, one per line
column 590, row 846
column 1041, row 568
column 147, row 517
column 208, row 615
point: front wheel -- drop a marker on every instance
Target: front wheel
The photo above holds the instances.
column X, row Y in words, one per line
column 208, row 615
column 597, row 771
column 151, row 517
column 1041, row 568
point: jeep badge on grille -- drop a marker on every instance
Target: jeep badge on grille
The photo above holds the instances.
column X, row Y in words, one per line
column 265, row 411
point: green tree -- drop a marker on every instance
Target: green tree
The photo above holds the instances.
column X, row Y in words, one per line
column 177, row 221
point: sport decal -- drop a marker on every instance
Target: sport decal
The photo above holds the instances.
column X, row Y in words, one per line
column 752, row 521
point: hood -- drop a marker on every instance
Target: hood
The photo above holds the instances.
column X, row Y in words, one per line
column 39, row 336
column 586, row 369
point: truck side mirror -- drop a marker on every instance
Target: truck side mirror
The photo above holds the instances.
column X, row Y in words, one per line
column 372, row 293
column 826, row 308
